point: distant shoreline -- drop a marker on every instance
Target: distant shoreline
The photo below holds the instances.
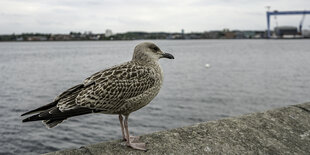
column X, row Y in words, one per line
column 148, row 39
column 77, row 36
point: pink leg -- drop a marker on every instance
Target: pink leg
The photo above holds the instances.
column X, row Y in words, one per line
column 132, row 138
column 122, row 125
column 138, row 146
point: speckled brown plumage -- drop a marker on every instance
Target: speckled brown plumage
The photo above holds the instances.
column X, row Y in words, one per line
column 114, row 90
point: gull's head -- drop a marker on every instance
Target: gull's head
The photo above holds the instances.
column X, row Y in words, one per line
column 149, row 52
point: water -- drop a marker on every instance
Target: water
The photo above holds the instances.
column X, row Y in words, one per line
column 245, row 76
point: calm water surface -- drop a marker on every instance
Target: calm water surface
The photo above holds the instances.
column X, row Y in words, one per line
column 245, row 76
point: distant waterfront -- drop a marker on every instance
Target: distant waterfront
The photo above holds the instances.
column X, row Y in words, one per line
column 88, row 35
column 72, row 36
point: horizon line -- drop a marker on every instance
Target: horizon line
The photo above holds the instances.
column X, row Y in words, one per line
column 230, row 30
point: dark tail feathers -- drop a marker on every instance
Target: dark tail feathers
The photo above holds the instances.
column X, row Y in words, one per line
column 49, row 123
column 45, row 107
column 51, row 115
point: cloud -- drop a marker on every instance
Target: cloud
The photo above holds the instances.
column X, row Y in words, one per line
column 63, row 16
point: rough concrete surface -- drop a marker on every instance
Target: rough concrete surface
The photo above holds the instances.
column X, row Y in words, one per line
column 279, row 131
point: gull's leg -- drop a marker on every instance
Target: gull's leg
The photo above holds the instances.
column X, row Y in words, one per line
column 138, row 146
column 122, row 126
column 132, row 138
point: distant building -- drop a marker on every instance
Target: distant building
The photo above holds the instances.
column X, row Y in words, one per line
column 238, row 34
column 19, row 39
column 37, row 38
column 280, row 31
column 249, row 34
column 182, row 33
column 94, row 37
column 259, row 34
column 229, row 35
column 61, row 37
column 108, row 33
column 212, row 35
column 193, row 35
column 306, row 33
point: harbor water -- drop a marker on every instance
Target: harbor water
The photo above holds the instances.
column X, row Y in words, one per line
column 207, row 80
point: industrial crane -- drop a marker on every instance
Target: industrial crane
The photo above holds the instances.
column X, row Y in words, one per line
column 270, row 13
column 301, row 23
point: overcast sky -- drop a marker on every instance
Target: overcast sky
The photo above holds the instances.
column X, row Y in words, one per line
column 63, row 16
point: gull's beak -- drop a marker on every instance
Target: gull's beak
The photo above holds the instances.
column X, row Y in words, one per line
column 168, row 55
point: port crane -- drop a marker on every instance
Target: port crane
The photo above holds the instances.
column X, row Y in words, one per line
column 270, row 13
column 301, row 23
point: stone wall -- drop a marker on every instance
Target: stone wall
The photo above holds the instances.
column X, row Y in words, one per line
column 279, row 131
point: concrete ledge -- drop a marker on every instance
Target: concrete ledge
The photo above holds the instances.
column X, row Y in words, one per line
column 279, row 131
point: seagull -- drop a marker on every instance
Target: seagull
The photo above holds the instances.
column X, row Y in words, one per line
column 119, row 90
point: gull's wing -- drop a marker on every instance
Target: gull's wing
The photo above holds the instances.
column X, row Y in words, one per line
column 112, row 87
column 52, row 115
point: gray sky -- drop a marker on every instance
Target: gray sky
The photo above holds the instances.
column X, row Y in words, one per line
column 63, row 16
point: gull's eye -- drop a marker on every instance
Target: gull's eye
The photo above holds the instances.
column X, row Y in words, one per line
column 155, row 48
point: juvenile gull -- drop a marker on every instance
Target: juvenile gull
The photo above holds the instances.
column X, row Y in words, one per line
column 121, row 90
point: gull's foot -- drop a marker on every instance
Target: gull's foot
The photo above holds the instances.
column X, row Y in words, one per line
column 132, row 138
column 137, row 146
